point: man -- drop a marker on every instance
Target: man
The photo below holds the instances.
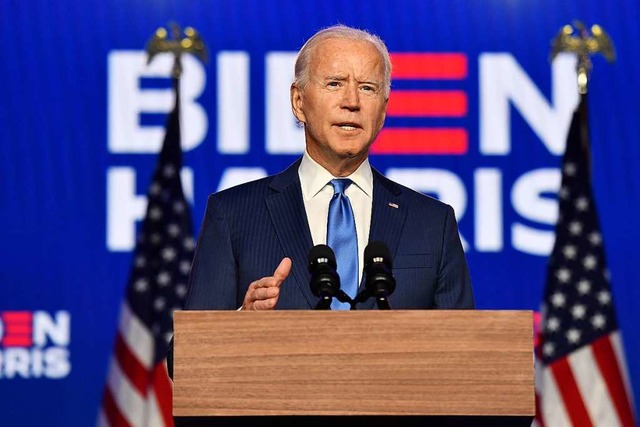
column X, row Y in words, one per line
column 253, row 245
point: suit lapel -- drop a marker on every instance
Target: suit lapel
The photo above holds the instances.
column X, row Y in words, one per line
column 289, row 219
column 388, row 214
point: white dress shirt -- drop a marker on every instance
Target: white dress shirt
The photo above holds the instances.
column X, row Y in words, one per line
column 317, row 192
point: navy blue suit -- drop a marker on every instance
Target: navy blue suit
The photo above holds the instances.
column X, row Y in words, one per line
column 248, row 229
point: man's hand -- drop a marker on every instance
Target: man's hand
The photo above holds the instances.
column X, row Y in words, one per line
column 263, row 293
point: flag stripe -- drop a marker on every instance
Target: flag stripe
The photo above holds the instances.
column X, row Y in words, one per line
column 616, row 342
column 113, row 415
column 136, row 373
column 130, row 404
column 421, row 141
column 552, row 411
column 605, row 357
column 102, row 418
column 593, row 388
column 442, row 66
column 570, row 393
column 427, row 103
column 137, row 337
column 155, row 412
column 163, row 391
column 538, row 379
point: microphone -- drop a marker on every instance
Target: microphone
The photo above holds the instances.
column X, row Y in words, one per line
column 378, row 268
column 325, row 282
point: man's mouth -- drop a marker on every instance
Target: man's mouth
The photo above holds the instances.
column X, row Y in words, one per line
column 348, row 126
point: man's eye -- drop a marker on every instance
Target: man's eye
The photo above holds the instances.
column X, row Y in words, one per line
column 368, row 88
column 333, row 84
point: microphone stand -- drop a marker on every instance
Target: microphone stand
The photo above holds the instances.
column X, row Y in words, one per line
column 380, row 294
column 327, row 297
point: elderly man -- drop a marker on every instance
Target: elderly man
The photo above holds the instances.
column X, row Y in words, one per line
column 253, row 245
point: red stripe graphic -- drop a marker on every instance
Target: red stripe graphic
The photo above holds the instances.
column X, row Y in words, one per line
column 436, row 66
column 570, row 393
column 18, row 329
column 427, row 103
column 421, row 141
column 608, row 363
column 131, row 366
column 17, row 341
column 113, row 414
column 17, row 316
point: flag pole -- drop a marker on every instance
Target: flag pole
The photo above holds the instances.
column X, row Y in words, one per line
column 191, row 43
column 584, row 42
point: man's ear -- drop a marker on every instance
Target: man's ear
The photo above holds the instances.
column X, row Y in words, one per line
column 297, row 103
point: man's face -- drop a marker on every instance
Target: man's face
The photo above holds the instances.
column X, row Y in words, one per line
column 342, row 105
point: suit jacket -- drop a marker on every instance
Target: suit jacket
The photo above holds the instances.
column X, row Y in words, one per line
column 248, row 229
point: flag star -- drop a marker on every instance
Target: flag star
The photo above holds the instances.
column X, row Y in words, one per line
column 140, row 261
column 598, row 321
column 185, row 267
column 604, row 297
column 553, row 324
column 589, row 262
column 564, row 193
column 578, row 311
column 141, row 285
column 178, row 207
column 155, row 188
column 582, row 203
column 558, row 299
column 563, row 275
column 584, row 286
column 155, row 238
column 570, row 169
column 168, row 171
column 173, row 230
column 163, row 278
column 575, row 228
column 569, row 251
column 155, row 328
column 573, row 336
column 188, row 243
column 168, row 254
column 159, row 303
column 155, row 213
column 181, row 290
column 595, row 238
column 548, row 349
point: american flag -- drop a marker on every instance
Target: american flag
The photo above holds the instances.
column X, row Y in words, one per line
column 138, row 390
column 581, row 377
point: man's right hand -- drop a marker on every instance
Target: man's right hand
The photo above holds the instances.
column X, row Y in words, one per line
column 263, row 293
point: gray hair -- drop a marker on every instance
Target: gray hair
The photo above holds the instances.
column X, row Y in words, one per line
column 346, row 33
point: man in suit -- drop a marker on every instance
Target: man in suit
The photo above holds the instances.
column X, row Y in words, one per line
column 253, row 245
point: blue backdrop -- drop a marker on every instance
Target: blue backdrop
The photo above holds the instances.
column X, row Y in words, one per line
column 81, row 119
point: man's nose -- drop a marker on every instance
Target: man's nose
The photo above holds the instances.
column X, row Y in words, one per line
column 351, row 98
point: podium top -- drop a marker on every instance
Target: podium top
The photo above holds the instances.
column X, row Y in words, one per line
column 353, row 363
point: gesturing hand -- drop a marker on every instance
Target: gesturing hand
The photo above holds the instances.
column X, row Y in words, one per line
column 263, row 293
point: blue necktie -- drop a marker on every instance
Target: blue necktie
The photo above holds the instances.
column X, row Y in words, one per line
column 342, row 238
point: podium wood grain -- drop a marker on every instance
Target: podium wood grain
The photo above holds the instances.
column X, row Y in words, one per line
column 353, row 363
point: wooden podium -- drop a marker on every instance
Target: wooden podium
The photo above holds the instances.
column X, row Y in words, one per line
column 364, row 367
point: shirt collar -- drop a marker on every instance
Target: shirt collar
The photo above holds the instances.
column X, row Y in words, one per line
column 313, row 177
